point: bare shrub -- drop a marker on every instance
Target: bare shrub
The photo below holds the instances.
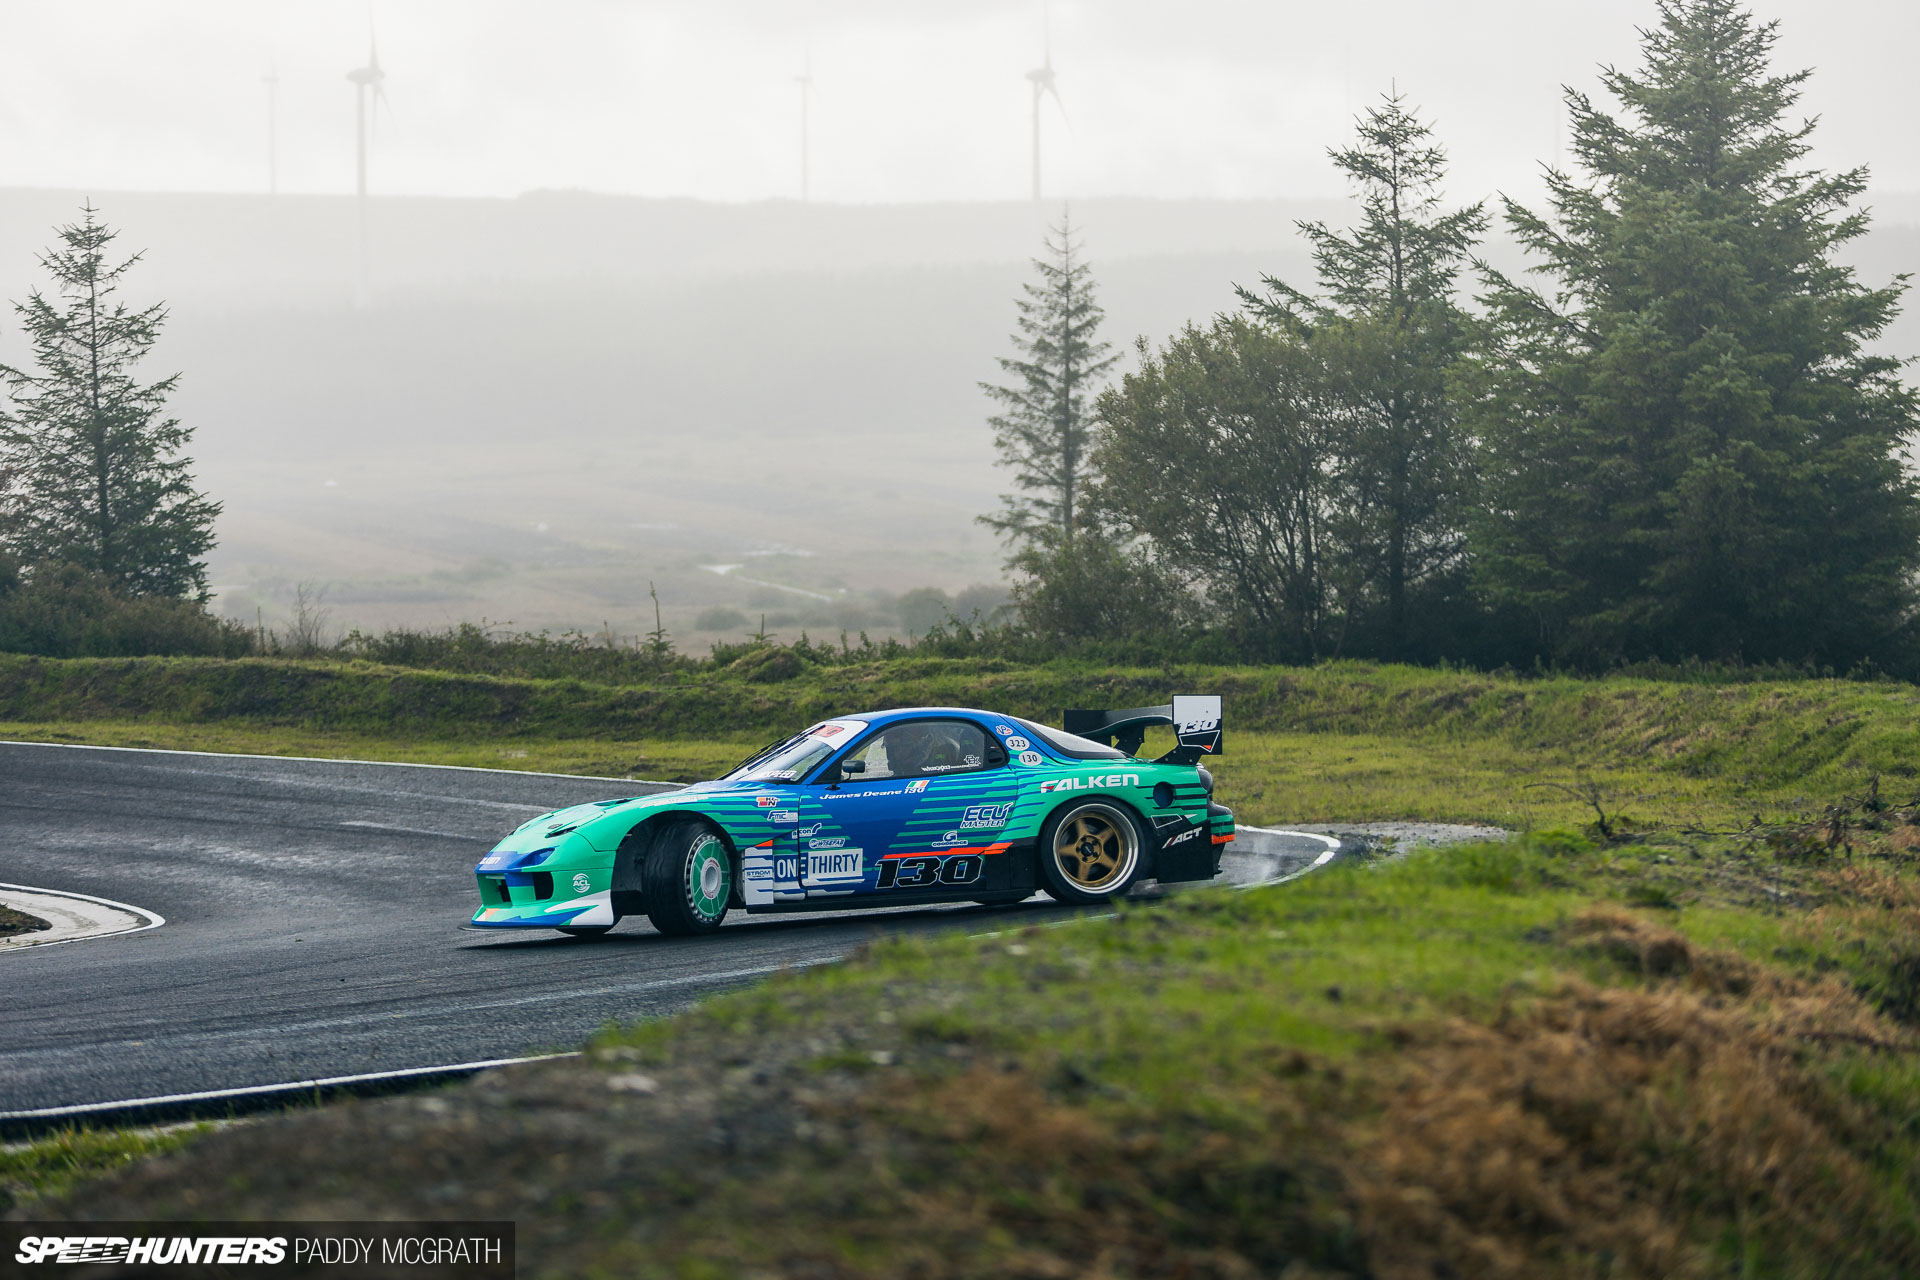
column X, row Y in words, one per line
column 307, row 629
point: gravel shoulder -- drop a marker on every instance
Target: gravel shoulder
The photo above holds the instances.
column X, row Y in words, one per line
column 1401, row 837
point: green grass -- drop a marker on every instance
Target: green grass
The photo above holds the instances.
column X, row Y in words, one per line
column 655, row 760
column 49, row 1168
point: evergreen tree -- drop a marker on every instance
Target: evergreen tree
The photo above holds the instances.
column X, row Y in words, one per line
column 97, row 478
column 1044, row 429
column 1690, row 452
column 1386, row 330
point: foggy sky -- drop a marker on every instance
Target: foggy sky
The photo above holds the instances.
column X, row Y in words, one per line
column 913, row 100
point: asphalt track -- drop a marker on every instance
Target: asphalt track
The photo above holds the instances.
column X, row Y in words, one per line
column 314, row 925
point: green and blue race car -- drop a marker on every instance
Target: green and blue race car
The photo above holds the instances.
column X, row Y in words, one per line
column 896, row 808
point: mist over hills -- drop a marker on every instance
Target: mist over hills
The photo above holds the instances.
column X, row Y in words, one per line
column 301, row 250
column 552, row 400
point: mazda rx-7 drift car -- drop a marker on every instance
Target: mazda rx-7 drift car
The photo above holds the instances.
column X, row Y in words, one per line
column 933, row 804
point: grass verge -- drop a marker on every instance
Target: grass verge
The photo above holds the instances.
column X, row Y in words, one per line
column 1266, row 776
column 1341, row 742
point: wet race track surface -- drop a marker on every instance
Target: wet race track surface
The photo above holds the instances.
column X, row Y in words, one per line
column 314, row 925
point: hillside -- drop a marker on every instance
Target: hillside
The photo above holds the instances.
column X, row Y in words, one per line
column 552, row 401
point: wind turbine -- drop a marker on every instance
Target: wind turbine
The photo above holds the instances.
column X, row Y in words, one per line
column 1043, row 84
column 805, row 81
column 369, row 77
column 272, row 81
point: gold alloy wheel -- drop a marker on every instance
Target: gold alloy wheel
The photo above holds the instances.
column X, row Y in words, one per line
column 1094, row 848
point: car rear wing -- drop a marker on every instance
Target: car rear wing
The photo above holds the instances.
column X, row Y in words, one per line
column 1195, row 719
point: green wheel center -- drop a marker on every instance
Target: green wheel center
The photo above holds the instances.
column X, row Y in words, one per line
column 708, row 877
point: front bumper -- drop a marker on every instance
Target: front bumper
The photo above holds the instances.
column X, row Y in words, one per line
column 544, row 899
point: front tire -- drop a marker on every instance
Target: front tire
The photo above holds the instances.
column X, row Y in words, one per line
column 1090, row 852
column 686, row 880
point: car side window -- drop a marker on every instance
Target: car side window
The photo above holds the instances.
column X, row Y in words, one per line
column 925, row 749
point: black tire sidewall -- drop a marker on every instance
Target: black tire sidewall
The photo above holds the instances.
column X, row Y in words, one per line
column 663, row 879
column 1055, row 881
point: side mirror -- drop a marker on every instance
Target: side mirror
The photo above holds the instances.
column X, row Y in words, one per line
column 850, row 767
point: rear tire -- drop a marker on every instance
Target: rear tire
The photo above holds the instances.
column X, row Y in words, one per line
column 1090, row 852
column 686, row 880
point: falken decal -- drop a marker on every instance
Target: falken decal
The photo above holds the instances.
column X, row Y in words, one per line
column 1097, row 782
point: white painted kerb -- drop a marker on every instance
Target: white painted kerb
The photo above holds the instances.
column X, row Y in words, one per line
column 74, row 916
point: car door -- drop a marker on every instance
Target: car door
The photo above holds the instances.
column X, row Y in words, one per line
column 764, row 817
column 893, row 816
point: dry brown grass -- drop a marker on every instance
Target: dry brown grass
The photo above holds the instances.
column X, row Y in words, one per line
column 1567, row 1137
column 1587, row 1133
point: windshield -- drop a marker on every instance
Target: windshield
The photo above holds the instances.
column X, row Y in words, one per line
column 798, row 756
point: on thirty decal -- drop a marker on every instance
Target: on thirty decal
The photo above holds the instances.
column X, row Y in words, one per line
column 840, row 865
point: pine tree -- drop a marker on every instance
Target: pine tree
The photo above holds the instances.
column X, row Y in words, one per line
column 1044, row 430
column 1690, row 452
column 97, row 475
column 1386, row 329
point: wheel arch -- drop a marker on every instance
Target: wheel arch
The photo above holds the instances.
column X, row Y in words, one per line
column 633, row 847
column 1110, row 797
